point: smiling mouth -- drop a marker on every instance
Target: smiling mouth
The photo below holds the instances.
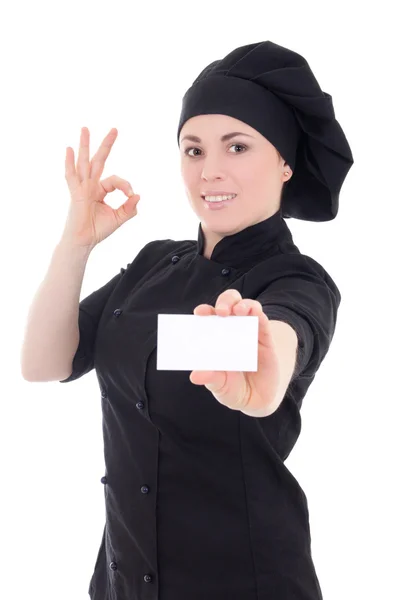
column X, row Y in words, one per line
column 217, row 201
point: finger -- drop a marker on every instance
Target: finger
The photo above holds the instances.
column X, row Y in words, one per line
column 70, row 171
column 215, row 381
column 201, row 377
column 204, row 309
column 99, row 159
column 254, row 305
column 114, row 182
column 227, row 299
column 249, row 307
column 265, row 336
column 128, row 209
column 242, row 308
column 83, row 167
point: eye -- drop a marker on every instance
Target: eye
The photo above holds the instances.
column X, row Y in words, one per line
column 239, row 145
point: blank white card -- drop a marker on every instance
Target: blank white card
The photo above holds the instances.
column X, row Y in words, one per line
column 207, row 343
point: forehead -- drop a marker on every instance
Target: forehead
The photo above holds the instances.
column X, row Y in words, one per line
column 216, row 124
column 215, row 128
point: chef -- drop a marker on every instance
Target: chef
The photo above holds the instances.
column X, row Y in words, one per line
column 199, row 503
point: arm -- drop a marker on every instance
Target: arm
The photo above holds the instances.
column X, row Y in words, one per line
column 286, row 341
column 51, row 332
column 307, row 299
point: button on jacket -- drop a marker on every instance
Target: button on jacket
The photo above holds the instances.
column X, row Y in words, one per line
column 199, row 503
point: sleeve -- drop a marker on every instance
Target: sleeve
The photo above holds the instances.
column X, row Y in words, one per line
column 308, row 300
column 90, row 311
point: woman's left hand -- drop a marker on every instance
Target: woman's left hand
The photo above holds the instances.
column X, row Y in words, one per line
column 243, row 390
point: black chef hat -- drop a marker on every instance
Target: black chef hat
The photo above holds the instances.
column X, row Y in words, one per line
column 273, row 90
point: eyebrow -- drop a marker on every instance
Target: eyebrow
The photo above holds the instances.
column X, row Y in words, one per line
column 224, row 138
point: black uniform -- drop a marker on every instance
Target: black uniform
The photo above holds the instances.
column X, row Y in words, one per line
column 199, row 503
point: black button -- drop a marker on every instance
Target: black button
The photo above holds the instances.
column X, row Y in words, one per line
column 148, row 578
column 113, row 566
column 117, row 312
column 225, row 271
column 144, row 489
column 104, row 479
column 175, row 259
column 103, row 394
column 139, row 405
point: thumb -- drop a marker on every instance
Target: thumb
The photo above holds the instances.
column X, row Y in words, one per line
column 213, row 380
column 128, row 210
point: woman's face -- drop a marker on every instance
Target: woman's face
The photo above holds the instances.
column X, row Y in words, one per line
column 250, row 167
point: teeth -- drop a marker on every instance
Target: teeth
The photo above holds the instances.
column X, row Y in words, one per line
column 219, row 198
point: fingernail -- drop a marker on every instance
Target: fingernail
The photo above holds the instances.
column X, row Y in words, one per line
column 130, row 192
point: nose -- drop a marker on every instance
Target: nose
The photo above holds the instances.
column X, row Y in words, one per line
column 211, row 171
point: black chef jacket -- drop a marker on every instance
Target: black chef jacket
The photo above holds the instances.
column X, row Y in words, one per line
column 199, row 503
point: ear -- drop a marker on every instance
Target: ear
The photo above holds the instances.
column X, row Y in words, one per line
column 287, row 169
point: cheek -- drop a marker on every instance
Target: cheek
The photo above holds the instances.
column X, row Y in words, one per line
column 186, row 169
column 190, row 176
column 258, row 173
column 249, row 174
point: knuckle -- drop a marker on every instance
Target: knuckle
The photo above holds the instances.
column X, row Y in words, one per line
column 251, row 303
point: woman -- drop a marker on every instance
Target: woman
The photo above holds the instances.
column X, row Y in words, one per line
column 199, row 503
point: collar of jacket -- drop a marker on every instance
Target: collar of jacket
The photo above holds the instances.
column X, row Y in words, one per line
column 252, row 243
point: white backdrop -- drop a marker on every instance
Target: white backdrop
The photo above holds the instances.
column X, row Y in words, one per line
column 126, row 65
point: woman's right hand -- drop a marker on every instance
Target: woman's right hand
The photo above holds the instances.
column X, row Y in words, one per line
column 90, row 220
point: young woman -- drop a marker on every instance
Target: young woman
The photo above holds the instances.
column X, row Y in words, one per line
column 199, row 502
